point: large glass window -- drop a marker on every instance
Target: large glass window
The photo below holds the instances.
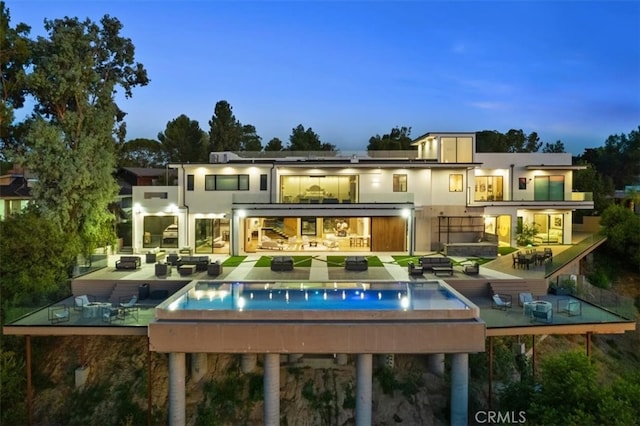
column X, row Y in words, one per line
column 160, row 231
column 212, row 235
column 399, row 183
column 548, row 188
column 263, row 182
column 456, row 150
column 318, row 189
column 190, row 182
column 455, row 183
column 488, row 188
column 226, row 183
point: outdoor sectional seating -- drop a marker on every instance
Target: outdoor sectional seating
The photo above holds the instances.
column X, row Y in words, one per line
column 200, row 262
column 282, row 263
column 428, row 262
column 414, row 270
column 356, row 263
column 128, row 262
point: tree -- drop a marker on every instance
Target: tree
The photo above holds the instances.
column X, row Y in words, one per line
column 571, row 393
column 225, row 132
column 513, row 141
column 15, row 57
column 183, row 141
column 397, row 139
column 589, row 180
column 619, row 158
column 557, row 147
column 622, row 228
column 250, row 139
column 307, row 140
column 70, row 139
column 142, row 153
column 274, row 144
column 29, row 273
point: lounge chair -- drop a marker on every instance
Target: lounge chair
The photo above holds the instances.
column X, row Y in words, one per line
column 81, row 301
column 542, row 313
column 59, row 313
column 501, row 301
column 129, row 306
column 110, row 313
column 473, row 269
column 524, row 298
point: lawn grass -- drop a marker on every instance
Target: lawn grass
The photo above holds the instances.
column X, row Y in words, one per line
column 506, row 250
column 403, row 260
column 234, row 261
column 298, row 261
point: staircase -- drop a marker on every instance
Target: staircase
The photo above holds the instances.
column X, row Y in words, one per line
column 274, row 229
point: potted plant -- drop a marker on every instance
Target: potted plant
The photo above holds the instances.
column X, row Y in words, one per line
column 563, row 288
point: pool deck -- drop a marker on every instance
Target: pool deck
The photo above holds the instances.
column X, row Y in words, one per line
column 498, row 322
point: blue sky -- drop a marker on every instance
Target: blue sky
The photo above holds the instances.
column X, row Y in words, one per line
column 569, row 70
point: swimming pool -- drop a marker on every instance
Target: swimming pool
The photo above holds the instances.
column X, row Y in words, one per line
column 317, row 296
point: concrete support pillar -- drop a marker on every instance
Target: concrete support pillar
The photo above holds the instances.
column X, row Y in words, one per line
column 199, row 365
column 364, row 369
column 177, row 374
column 459, row 389
column 435, row 363
column 248, row 362
column 342, row 359
column 271, row 389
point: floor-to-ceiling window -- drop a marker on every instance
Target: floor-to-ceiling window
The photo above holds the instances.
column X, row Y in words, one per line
column 548, row 188
column 212, row 235
column 549, row 227
column 488, row 188
column 160, row 231
column 317, row 189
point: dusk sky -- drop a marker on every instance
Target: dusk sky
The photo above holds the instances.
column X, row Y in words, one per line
column 569, row 70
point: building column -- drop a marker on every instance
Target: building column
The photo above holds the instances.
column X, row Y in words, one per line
column 272, row 389
column 459, row 389
column 342, row 359
column 177, row 374
column 435, row 363
column 364, row 369
column 248, row 362
column 198, row 366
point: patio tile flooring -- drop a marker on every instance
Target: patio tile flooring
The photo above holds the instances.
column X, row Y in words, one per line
column 501, row 267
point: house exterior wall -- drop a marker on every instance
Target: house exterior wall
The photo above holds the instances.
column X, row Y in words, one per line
column 434, row 189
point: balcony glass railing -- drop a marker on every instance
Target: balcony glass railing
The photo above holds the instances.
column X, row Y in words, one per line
column 569, row 196
column 365, row 197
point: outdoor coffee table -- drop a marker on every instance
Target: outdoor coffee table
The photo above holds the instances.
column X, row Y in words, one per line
column 528, row 307
column 437, row 270
column 93, row 310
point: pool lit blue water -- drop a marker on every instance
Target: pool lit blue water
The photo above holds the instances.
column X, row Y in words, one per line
column 316, row 296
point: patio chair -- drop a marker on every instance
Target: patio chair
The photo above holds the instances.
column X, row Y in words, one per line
column 501, row 301
column 58, row 314
column 110, row 313
column 473, row 269
column 542, row 313
column 524, row 298
column 129, row 306
column 81, row 301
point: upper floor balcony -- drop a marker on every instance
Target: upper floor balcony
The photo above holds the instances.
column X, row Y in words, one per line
column 575, row 200
column 361, row 198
